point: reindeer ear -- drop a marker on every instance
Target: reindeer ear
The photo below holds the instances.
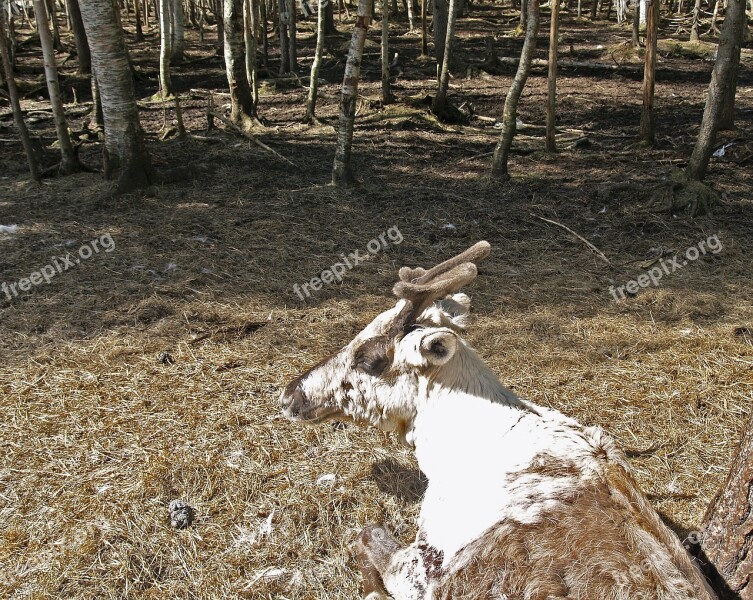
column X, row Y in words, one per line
column 438, row 346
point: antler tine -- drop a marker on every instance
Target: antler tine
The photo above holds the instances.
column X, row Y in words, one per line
column 475, row 253
column 419, row 287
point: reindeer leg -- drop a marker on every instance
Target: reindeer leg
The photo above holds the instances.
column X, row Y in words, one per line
column 388, row 569
column 372, row 550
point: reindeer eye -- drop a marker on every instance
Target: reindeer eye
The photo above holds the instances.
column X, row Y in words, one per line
column 371, row 365
column 371, row 358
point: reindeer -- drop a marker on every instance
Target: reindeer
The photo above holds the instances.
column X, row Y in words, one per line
column 522, row 503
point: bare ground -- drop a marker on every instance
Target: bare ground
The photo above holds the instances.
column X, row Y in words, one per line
column 100, row 429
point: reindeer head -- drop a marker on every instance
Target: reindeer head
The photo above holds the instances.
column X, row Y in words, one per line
column 376, row 378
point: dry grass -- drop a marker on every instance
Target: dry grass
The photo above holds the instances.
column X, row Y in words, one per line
column 97, row 435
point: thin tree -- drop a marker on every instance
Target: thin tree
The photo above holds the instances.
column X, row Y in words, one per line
column 250, row 8
column 551, row 104
column 424, row 42
column 314, row 79
column 439, row 27
column 79, row 36
column 386, row 93
column 440, row 100
column 18, row 117
column 125, row 154
column 284, row 37
column 726, row 533
column 510, row 112
column 137, row 19
column 696, row 18
column 241, row 103
column 68, row 160
column 721, row 83
column 292, row 37
column 165, row 24
column 178, row 38
column 649, row 74
column 727, row 118
column 342, row 173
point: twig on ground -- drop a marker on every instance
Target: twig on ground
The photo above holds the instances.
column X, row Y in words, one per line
column 250, row 137
column 598, row 252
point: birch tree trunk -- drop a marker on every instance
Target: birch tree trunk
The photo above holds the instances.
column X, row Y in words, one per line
column 727, row 117
column 649, row 74
column 424, row 43
column 411, row 19
column 137, row 17
column 292, row 36
column 178, row 39
column 342, row 174
column 79, row 37
column 284, row 37
column 68, row 161
column 721, row 82
column 10, row 81
column 551, row 105
column 696, row 17
column 53, row 19
column 242, row 106
column 440, row 100
column 165, row 25
column 249, row 36
column 727, row 539
column 439, row 26
column 314, row 79
column 510, row 112
column 386, row 93
column 125, row 155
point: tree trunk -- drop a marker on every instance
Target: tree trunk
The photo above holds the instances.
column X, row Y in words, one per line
column 649, row 74
column 329, row 19
column 342, row 174
column 696, row 17
column 242, row 106
column 264, row 37
column 411, row 18
column 439, row 27
column 292, row 36
column 727, row 118
column 99, row 119
column 165, row 25
column 727, row 539
column 68, row 161
column 386, row 94
column 10, row 81
column 284, row 46
column 440, row 100
column 250, row 8
column 424, row 43
column 125, row 155
column 314, row 79
column 79, row 36
column 510, row 112
column 178, row 39
column 551, row 105
column 721, row 81
column 53, row 19
column 137, row 18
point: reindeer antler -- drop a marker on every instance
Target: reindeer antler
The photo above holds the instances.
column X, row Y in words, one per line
column 419, row 287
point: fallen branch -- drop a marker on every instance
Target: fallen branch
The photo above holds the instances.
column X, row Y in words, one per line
column 598, row 252
column 249, row 137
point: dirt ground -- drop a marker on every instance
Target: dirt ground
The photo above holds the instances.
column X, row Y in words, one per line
column 151, row 372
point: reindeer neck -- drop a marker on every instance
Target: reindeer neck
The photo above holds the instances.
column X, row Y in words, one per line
column 466, row 373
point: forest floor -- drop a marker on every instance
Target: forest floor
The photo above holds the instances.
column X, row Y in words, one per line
column 151, row 372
